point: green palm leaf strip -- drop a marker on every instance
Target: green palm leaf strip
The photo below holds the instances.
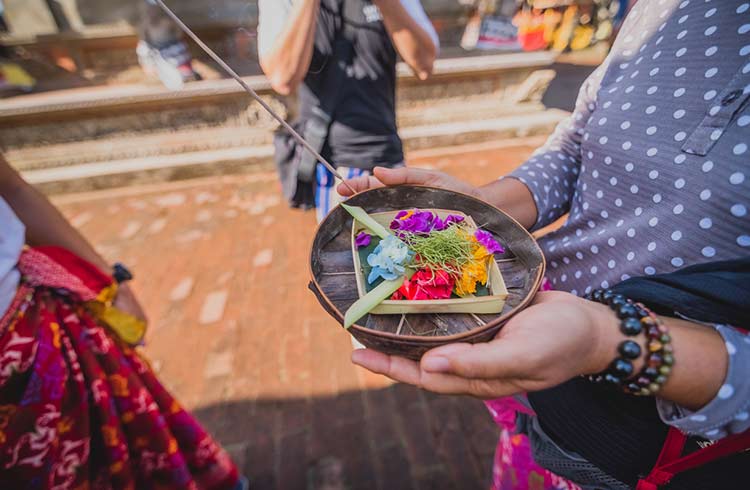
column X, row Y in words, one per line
column 361, row 215
column 382, row 291
column 377, row 295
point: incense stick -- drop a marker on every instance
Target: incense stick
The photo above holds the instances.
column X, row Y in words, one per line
column 250, row 91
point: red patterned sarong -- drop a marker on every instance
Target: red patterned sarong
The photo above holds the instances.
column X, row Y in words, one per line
column 79, row 408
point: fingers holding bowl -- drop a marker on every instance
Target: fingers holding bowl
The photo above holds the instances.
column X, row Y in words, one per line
column 358, row 184
column 415, row 373
column 383, row 177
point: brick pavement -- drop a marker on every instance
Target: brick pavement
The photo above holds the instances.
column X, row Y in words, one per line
column 221, row 268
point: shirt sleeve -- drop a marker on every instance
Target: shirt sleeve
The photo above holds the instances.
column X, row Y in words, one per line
column 728, row 413
column 415, row 9
column 552, row 171
column 272, row 17
column 551, row 174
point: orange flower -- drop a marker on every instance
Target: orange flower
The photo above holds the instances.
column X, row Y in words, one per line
column 474, row 272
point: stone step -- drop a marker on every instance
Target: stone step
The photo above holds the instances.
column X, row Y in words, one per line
column 103, row 137
column 248, row 159
column 86, row 125
column 166, row 142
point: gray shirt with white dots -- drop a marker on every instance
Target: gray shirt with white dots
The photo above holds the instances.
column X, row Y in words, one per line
column 653, row 165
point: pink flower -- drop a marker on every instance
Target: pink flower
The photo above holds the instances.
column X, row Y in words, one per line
column 426, row 284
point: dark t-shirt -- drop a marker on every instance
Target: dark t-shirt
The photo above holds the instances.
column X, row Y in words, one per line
column 363, row 133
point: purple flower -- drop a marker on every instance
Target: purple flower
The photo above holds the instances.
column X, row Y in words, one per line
column 363, row 240
column 422, row 222
column 449, row 220
column 486, row 240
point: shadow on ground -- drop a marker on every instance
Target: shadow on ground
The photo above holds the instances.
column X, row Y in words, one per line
column 376, row 439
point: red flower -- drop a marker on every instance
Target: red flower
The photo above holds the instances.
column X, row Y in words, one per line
column 426, row 284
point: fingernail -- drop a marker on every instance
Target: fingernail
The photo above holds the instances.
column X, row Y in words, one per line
column 357, row 356
column 436, row 364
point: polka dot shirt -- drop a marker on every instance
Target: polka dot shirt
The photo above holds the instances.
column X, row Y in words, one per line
column 653, row 166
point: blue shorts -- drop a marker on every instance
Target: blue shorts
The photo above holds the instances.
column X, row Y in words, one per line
column 326, row 197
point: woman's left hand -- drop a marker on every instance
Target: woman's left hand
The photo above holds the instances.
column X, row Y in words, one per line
column 127, row 302
column 558, row 337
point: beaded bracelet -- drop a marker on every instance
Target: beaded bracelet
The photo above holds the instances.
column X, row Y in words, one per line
column 634, row 319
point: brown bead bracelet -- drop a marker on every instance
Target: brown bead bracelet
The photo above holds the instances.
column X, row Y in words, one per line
column 635, row 318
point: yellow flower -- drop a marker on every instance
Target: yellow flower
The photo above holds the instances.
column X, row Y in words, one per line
column 473, row 272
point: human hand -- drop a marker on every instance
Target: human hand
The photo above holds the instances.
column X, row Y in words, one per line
column 404, row 175
column 126, row 301
column 557, row 338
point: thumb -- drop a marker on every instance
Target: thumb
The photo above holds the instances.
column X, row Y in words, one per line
column 401, row 175
column 473, row 361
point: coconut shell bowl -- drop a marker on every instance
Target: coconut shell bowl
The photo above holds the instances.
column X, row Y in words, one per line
column 335, row 282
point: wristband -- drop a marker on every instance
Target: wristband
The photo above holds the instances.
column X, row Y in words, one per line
column 121, row 274
column 635, row 318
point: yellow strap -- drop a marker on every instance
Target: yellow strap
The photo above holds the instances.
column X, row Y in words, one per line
column 129, row 328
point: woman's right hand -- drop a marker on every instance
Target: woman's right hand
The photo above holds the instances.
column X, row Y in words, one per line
column 404, row 175
column 510, row 195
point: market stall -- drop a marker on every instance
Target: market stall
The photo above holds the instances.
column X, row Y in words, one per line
column 531, row 25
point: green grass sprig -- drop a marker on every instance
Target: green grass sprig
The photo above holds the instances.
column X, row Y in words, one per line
column 448, row 250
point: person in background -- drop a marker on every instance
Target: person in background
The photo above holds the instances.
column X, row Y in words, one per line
column 161, row 50
column 79, row 406
column 651, row 169
column 342, row 54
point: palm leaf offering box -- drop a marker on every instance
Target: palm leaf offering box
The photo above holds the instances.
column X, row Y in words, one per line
column 488, row 298
column 410, row 268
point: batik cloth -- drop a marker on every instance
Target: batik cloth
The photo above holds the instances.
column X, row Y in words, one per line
column 79, row 407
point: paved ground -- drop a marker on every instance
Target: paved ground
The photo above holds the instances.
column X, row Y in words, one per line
column 221, row 267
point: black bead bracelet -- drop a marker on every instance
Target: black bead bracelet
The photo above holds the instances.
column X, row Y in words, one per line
column 635, row 319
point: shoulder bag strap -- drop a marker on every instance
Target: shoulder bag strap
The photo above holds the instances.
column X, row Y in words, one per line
column 670, row 463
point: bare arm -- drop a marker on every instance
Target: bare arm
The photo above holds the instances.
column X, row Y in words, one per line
column 44, row 223
column 412, row 42
column 513, row 197
column 702, row 358
column 509, row 194
column 46, row 226
column 286, row 63
column 558, row 338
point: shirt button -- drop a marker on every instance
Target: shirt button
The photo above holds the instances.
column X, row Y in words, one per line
column 731, row 97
